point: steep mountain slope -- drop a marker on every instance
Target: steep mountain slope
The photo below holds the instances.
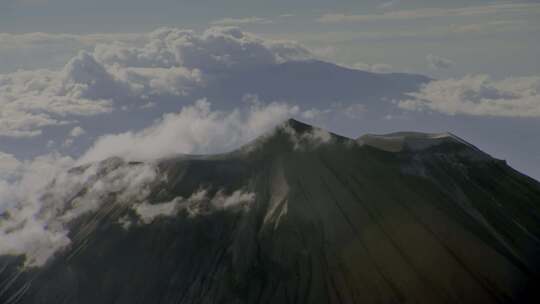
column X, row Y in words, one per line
column 302, row 216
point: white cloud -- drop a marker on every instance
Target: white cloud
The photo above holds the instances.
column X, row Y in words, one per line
column 199, row 203
column 9, row 166
column 236, row 199
column 39, row 204
column 242, row 21
column 20, row 233
column 172, row 62
column 469, row 11
column 34, row 99
column 77, row 131
column 479, row 95
column 439, row 63
column 307, row 140
column 148, row 212
column 217, row 48
column 73, row 134
column 195, row 129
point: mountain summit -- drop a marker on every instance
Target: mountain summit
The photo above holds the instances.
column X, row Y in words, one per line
column 299, row 215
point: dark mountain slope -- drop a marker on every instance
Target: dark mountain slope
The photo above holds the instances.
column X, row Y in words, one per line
column 333, row 220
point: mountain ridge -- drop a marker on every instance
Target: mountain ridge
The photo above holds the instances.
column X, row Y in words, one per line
column 301, row 218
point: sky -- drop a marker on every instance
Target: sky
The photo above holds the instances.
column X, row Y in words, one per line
column 86, row 81
column 346, row 31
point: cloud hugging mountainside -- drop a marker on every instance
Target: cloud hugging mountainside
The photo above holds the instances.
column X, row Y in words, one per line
column 298, row 215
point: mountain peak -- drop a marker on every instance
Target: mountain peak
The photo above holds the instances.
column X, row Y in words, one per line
column 292, row 134
column 296, row 125
column 415, row 141
column 279, row 223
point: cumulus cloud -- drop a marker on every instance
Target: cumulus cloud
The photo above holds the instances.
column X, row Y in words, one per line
column 439, row 63
column 84, row 87
column 171, row 62
column 31, row 100
column 20, row 233
column 77, row 131
column 479, row 95
column 8, row 164
column 215, row 49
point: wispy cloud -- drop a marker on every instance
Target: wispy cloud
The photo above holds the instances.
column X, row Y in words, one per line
column 242, row 21
column 492, row 9
column 196, row 129
column 388, row 4
column 498, row 25
column 375, row 67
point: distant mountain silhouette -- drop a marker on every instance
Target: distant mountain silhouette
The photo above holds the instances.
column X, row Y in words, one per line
column 314, row 83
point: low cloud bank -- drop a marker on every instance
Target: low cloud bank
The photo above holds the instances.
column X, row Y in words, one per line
column 479, row 95
column 170, row 62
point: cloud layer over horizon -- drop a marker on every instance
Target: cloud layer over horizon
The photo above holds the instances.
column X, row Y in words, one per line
column 479, row 95
column 170, row 63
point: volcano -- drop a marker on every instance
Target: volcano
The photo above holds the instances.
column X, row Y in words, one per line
column 299, row 215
